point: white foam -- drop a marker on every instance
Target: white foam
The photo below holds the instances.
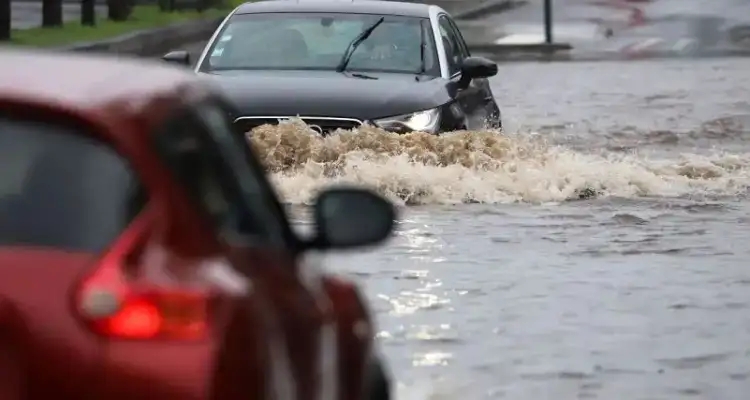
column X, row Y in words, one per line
column 485, row 167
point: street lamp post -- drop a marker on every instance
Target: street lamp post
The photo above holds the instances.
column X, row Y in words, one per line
column 548, row 21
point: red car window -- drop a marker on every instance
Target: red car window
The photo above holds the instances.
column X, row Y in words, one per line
column 198, row 164
column 248, row 175
column 214, row 164
column 59, row 188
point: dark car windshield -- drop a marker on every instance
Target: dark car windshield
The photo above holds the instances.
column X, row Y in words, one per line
column 316, row 41
column 61, row 189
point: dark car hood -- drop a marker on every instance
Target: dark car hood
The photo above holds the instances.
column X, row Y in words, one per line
column 329, row 93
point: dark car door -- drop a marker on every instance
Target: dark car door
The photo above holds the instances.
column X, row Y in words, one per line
column 472, row 99
column 246, row 213
column 487, row 101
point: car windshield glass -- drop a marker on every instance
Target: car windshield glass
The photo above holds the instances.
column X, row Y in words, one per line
column 314, row 41
column 62, row 189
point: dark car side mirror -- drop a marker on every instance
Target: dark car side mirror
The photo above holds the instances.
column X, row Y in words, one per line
column 181, row 57
column 476, row 67
column 351, row 217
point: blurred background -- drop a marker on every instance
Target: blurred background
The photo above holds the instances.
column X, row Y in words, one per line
column 596, row 250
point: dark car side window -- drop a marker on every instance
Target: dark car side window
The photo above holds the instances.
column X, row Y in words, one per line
column 453, row 51
column 199, row 148
column 60, row 188
column 460, row 39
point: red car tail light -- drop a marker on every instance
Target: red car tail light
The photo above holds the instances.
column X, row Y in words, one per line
column 149, row 314
column 155, row 313
column 114, row 306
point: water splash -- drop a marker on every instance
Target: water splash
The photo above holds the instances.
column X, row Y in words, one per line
column 481, row 167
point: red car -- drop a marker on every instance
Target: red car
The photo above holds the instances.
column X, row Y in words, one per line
column 144, row 254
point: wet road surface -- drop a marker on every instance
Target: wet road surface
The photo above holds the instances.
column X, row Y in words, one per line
column 643, row 293
column 502, row 284
column 646, row 27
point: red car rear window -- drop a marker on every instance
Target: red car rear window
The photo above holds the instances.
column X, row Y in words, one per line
column 61, row 189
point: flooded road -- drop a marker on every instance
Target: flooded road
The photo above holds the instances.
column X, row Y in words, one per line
column 603, row 29
column 501, row 284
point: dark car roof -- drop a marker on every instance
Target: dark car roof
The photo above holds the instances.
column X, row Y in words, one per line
column 337, row 6
column 87, row 83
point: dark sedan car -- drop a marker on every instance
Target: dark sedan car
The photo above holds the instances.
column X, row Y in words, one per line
column 338, row 64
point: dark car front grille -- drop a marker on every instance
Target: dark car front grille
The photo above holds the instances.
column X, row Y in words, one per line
column 322, row 125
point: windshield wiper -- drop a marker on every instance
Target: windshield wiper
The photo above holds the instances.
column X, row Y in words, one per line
column 355, row 43
column 362, row 76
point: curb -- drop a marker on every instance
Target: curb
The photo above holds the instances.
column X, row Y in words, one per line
column 510, row 55
column 488, row 6
column 524, row 52
column 520, row 48
column 151, row 42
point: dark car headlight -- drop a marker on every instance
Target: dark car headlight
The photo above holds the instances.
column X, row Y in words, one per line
column 422, row 121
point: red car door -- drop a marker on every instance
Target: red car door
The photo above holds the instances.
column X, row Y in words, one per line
column 260, row 244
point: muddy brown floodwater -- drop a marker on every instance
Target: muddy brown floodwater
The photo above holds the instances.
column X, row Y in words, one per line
column 598, row 250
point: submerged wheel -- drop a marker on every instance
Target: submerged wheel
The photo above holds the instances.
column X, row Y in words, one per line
column 495, row 123
column 494, row 120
